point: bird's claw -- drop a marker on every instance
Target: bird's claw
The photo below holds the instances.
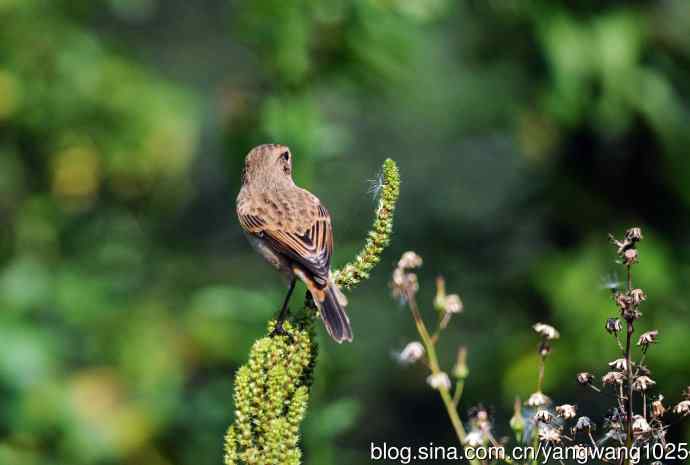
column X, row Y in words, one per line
column 279, row 330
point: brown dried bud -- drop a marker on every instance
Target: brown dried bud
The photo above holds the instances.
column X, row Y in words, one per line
column 411, row 353
column 546, row 331
column 583, row 424
column 613, row 325
column 410, row 260
column 682, row 408
column 642, row 383
column 474, row 438
column 585, row 378
column 640, row 425
column 613, row 377
column 647, row 338
column 633, row 235
column 631, row 314
column 637, row 296
column 543, row 416
column 619, row 364
column 623, row 301
column 549, row 434
column 453, row 304
column 404, row 285
column 630, row 257
column 658, row 409
column 438, row 381
column 566, row 411
column 538, row 399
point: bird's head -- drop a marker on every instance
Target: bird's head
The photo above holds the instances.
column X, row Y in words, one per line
column 268, row 164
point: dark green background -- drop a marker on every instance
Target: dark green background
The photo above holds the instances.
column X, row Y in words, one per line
column 524, row 130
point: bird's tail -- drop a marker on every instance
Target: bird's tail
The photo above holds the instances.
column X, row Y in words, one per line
column 331, row 303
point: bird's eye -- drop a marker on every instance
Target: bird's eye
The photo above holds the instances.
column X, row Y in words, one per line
column 285, row 156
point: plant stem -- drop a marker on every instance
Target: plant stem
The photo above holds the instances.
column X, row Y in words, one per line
column 448, row 402
column 540, row 381
column 628, row 363
column 459, row 387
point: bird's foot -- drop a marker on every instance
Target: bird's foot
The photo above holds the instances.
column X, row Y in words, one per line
column 279, row 330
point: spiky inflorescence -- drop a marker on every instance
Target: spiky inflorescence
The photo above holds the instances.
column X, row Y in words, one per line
column 271, row 394
column 358, row 270
column 272, row 389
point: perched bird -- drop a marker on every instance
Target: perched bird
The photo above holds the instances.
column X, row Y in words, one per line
column 291, row 229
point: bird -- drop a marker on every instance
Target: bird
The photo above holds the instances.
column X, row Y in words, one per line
column 292, row 229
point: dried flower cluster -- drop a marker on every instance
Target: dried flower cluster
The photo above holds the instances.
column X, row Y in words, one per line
column 638, row 417
column 630, row 380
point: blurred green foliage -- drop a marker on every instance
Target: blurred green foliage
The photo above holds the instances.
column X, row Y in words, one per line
column 525, row 131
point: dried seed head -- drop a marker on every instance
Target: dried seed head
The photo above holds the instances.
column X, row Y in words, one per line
column 619, row 364
column 546, row 331
column 583, row 424
column 631, row 314
column 658, row 409
column 439, row 380
column 410, row 260
column 633, row 235
column 474, row 438
column 613, row 325
column 481, row 415
column 480, row 418
column 638, row 296
column 647, row 338
column 404, row 285
column 453, row 304
column 543, row 416
column 682, row 408
column 411, row 353
column 630, row 257
column 585, row 378
column 615, row 418
column 566, row 411
column 642, row 383
column 549, row 434
column 623, row 301
column 640, row 425
column 538, row 399
column 613, row 377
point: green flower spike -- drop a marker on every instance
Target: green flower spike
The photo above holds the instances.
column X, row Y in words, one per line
column 378, row 238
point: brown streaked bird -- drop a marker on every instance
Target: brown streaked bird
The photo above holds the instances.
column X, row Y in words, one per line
column 292, row 230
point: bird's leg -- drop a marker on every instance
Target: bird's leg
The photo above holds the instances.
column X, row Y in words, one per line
column 284, row 311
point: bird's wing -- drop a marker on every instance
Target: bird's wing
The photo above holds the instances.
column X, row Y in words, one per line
column 311, row 249
column 253, row 224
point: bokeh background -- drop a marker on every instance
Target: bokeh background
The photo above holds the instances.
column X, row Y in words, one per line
column 525, row 131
